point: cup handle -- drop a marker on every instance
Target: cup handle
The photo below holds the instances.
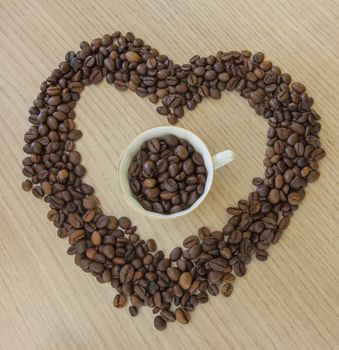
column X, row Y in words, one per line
column 222, row 158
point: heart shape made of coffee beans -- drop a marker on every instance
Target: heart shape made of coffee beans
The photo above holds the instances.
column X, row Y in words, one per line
column 109, row 248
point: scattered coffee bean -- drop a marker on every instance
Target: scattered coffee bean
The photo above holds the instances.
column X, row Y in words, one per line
column 159, row 323
column 182, row 316
column 27, row 185
column 133, row 311
column 227, row 289
column 151, row 245
column 119, row 301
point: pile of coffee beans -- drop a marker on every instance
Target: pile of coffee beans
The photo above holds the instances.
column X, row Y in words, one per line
column 109, row 248
column 167, row 175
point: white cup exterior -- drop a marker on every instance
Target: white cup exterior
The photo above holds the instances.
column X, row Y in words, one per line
column 132, row 149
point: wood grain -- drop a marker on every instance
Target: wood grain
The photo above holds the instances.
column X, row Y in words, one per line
column 289, row 302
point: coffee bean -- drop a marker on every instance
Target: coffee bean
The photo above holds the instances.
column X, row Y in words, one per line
column 148, row 183
column 274, row 196
column 185, row 280
column 213, row 289
column 108, row 251
column 182, row 316
column 151, row 245
column 27, row 185
column 102, row 222
column 261, row 255
column 188, row 166
column 159, row 323
column 181, row 152
column 257, row 96
column 75, row 220
column 119, row 301
column 136, row 301
column 96, row 238
column 175, row 254
column 228, row 278
column 218, row 264
column 38, row 191
column 162, row 165
column 202, row 297
column 173, row 169
column 227, row 289
column 298, row 87
column 239, row 269
column 215, row 276
column 96, row 76
column 190, row 241
column 153, row 145
column 90, row 202
column 126, row 273
column 170, row 185
column 125, row 222
column 132, row 57
column 97, row 267
column 313, row 176
column 133, row 311
column 162, row 110
column 167, row 315
column 149, row 168
column 318, row 154
column 294, row 198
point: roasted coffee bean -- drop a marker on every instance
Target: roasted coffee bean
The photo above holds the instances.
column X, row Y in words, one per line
column 159, row 323
column 228, row 278
column 38, row 191
column 124, row 222
column 227, row 289
column 27, row 185
column 97, row 267
column 90, row 202
column 202, row 297
column 181, row 152
column 167, row 315
column 175, row 254
column 182, row 316
column 274, row 196
column 149, row 168
column 261, row 255
column 239, row 269
column 173, row 274
column 153, row 145
column 215, row 276
column 119, row 301
column 126, row 273
column 133, row 311
column 213, row 289
column 185, row 280
column 96, row 238
column 151, row 245
column 190, row 241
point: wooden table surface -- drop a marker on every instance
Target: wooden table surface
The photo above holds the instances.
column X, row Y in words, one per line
column 289, row 302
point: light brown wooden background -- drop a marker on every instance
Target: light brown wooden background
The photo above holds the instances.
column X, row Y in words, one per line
column 289, row 302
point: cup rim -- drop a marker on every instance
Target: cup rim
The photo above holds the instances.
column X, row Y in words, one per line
column 181, row 213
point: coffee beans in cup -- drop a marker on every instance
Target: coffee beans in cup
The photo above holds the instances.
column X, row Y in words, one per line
column 167, row 175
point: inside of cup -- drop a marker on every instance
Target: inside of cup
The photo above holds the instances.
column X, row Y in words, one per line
column 133, row 148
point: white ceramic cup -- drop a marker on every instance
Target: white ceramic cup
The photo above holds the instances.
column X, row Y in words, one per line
column 211, row 162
